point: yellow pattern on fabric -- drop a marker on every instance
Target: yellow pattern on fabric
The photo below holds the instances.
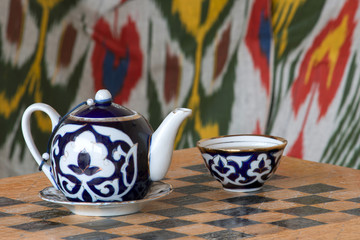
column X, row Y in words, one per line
column 330, row 47
column 190, row 16
column 283, row 14
column 32, row 80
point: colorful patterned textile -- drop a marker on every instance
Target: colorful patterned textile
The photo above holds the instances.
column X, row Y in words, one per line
column 287, row 68
column 315, row 99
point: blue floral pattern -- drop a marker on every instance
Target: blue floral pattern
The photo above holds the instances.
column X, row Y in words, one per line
column 83, row 166
column 89, row 171
column 244, row 169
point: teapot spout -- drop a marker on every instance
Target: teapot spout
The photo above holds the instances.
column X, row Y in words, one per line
column 162, row 143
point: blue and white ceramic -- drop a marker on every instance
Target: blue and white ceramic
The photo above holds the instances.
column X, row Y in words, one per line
column 242, row 163
column 103, row 152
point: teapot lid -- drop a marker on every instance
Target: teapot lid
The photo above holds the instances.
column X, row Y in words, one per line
column 102, row 108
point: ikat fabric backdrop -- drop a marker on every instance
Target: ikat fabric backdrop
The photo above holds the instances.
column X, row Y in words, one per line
column 286, row 68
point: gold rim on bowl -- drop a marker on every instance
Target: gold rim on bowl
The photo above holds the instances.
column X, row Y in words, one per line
column 209, row 144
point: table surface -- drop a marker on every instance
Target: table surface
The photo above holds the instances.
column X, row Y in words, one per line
column 304, row 200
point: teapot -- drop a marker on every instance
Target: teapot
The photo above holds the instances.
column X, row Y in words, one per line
column 103, row 152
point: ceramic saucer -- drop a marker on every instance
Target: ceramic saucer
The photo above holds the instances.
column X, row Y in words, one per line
column 157, row 190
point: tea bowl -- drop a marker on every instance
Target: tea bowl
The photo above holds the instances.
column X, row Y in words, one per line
column 242, row 163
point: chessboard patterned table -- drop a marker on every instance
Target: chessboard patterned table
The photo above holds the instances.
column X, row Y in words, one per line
column 304, row 200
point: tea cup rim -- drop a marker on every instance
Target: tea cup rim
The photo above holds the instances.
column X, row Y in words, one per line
column 209, row 144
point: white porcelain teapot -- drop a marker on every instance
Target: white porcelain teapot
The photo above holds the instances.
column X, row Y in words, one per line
column 101, row 151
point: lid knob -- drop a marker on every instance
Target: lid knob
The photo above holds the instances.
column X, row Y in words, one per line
column 103, row 96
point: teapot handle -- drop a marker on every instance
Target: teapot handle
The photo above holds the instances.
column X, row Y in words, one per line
column 25, row 125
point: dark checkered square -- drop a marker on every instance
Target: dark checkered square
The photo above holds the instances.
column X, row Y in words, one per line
column 311, row 200
column 103, row 224
column 4, row 202
column 232, row 222
column 355, row 211
column 241, row 211
column 168, row 223
column 93, row 236
column 47, row 204
column 48, row 214
column 248, row 200
column 206, row 177
column 2, row 214
column 185, row 200
column 176, row 212
column 162, row 234
column 38, row 226
column 200, row 168
column 304, row 211
column 225, row 234
column 357, row 200
column 316, row 188
column 194, row 189
column 297, row 223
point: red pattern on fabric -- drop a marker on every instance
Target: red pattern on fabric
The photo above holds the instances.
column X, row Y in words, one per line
column 258, row 128
column 297, row 149
column 222, row 52
column 128, row 42
column 319, row 72
column 172, row 75
column 15, row 22
column 260, row 13
column 66, row 47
